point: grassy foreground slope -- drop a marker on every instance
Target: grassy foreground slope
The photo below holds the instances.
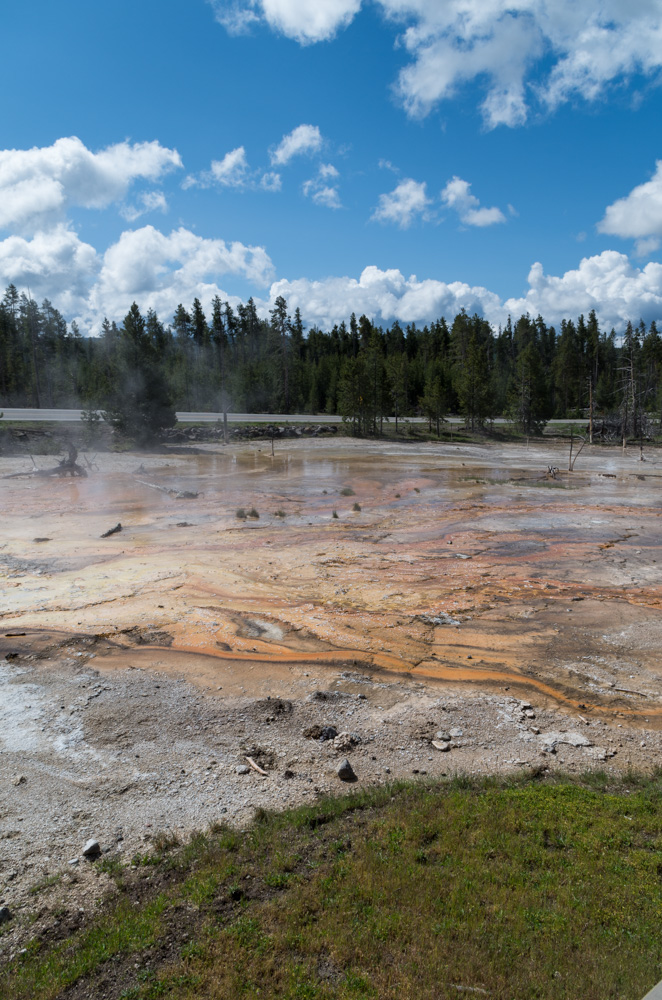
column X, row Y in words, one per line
column 533, row 888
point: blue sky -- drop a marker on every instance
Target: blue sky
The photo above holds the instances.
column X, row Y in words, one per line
column 402, row 158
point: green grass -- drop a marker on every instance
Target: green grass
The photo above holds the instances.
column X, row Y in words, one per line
column 526, row 889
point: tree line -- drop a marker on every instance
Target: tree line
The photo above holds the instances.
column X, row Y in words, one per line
column 141, row 371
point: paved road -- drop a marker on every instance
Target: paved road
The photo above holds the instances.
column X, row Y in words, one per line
column 74, row 416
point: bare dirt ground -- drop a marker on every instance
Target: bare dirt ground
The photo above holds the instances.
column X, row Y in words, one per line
column 471, row 602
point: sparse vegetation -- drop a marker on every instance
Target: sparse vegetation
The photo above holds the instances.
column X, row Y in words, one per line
column 357, row 507
column 253, row 513
column 44, row 883
column 335, row 514
column 347, row 491
column 533, row 886
column 241, row 513
column 279, row 513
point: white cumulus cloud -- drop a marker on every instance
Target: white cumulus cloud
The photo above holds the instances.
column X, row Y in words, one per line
column 231, row 170
column 55, row 264
column 148, row 201
column 271, row 181
column 303, row 140
column 638, row 216
column 155, row 269
column 323, row 189
column 159, row 270
column 304, row 20
column 457, row 195
column 38, row 185
column 552, row 50
column 404, row 204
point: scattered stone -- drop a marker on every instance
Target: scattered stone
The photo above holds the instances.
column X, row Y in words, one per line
column 456, row 733
column 444, row 745
column 20, row 780
column 443, row 736
column 529, row 713
column 5, row 914
column 74, row 861
column 573, row 739
column 346, row 772
column 91, row 849
column 346, row 741
column 287, row 773
column 243, row 769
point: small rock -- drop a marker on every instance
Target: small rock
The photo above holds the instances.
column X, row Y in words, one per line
column 74, row 861
column 456, row 733
column 287, row 773
column 91, row 849
column 5, row 914
column 529, row 713
column 346, row 741
column 572, row 739
column 346, row 772
column 20, row 780
column 242, row 769
column 442, row 735
column 444, row 745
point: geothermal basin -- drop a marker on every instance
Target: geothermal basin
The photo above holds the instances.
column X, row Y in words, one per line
column 461, row 597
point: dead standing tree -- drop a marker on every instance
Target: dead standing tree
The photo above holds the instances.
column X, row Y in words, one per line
column 571, row 460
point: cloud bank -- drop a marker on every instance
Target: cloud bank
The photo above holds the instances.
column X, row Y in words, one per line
column 607, row 282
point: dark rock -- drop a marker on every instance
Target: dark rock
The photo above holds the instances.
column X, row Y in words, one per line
column 91, row 849
column 5, row 914
column 346, row 772
column 321, row 733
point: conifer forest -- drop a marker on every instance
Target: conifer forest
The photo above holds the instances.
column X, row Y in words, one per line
column 232, row 360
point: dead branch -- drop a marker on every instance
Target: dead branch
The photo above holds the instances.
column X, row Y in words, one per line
column 256, row 767
column 177, row 494
column 112, row 531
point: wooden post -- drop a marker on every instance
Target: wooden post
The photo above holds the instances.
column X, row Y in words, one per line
column 572, row 435
column 590, row 410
